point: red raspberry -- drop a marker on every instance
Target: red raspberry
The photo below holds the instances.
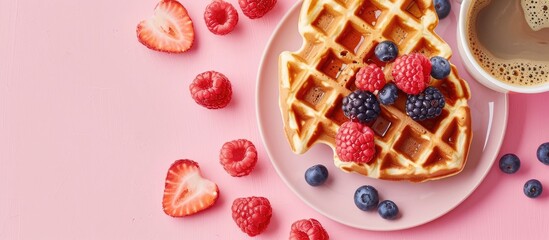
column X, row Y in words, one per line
column 256, row 8
column 252, row 214
column 221, row 17
column 412, row 73
column 355, row 142
column 370, row 78
column 211, row 90
column 238, row 157
column 308, row 229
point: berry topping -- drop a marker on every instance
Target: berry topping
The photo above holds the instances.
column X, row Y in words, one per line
column 386, row 51
column 426, row 105
column 238, row 157
column 440, row 67
column 221, row 17
column 252, row 214
column 366, row 198
column 509, row 163
column 361, row 105
column 186, row 192
column 370, row 78
column 388, row 94
column 387, row 210
column 533, row 188
column 169, row 30
column 256, row 8
column 543, row 153
column 308, row 229
column 211, row 90
column 412, row 73
column 316, row 175
column 442, row 7
column 355, row 142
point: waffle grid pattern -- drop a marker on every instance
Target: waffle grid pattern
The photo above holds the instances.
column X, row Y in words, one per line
column 339, row 37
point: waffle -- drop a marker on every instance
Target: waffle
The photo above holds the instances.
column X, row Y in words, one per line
column 339, row 37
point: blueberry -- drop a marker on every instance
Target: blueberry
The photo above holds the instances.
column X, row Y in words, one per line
column 509, row 163
column 316, row 175
column 543, row 153
column 366, row 198
column 388, row 94
column 533, row 188
column 387, row 209
column 440, row 67
column 386, row 51
column 443, row 8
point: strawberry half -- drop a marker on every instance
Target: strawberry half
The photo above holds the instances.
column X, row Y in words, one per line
column 170, row 29
column 186, row 191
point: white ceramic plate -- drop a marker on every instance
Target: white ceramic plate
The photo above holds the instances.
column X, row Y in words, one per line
column 419, row 203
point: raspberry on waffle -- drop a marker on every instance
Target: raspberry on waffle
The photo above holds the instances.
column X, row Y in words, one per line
column 339, row 37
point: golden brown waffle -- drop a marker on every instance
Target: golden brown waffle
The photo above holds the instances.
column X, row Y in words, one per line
column 339, row 37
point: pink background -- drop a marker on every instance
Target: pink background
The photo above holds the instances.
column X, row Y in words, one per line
column 90, row 121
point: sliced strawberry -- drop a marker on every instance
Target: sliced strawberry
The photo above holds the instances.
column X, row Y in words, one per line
column 169, row 30
column 186, row 191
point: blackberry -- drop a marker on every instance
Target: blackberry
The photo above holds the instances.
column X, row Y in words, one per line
column 425, row 105
column 361, row 105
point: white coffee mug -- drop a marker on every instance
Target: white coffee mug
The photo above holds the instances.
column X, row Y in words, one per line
column 473, row 66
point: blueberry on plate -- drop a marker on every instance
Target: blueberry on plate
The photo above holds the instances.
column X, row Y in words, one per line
column 388, row 94
column 387, row 209
column 316, row 175
column 509, row 163
column 386, row 51
column 443, row 8
column 366, row 198
column 440, row 67
column 533, row 188
column 543, row 153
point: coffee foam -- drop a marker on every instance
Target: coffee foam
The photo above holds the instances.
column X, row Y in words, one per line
column 536, row 13
column 520, row 72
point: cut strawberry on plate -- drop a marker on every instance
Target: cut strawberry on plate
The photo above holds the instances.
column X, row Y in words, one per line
column 170, row 29
column 186, row 191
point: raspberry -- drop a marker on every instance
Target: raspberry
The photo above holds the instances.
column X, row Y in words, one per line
column 370, row 78
column 252, row 214
column 211, row 89
column 412, row 73
column 221, row 17
column 256, row 8
column 308, row 229
column 355, row 143
column 238, row 157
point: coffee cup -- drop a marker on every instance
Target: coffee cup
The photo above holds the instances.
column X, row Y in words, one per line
column 500, row 50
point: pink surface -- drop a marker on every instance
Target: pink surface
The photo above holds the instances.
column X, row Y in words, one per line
column 90, row 121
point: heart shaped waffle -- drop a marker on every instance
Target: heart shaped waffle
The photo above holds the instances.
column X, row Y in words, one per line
column 339, row 37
